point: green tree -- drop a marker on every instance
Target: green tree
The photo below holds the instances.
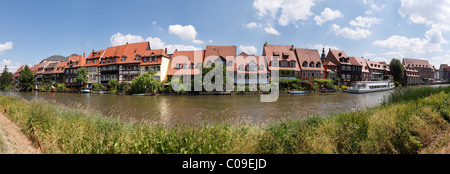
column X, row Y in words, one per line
column 112, row 84
column 123, row 87
column 81, row 76
column 145, row 83
column 26, row 80
column 5, row 78
column 397, row 70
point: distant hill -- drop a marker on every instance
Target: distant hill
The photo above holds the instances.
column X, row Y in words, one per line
column 58, row 58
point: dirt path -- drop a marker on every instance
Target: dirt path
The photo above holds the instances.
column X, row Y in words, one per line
column 14, row 140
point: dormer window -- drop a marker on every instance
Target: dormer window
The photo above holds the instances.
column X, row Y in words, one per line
column 311, row 65
column 124, row 58
column 292, row 64
column 318, row 65
column 340, row 54
column 285, row 56
column 177, row 66
column 138, row 57
column 144, row 60
column 283, row 63
column 305, row 64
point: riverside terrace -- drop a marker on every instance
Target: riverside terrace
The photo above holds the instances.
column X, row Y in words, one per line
column 126, row 62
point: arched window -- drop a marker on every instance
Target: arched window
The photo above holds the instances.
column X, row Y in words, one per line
column 318, row 65
column 305, row 64
column 292, row 64
column 283, row 63
column 311, row 65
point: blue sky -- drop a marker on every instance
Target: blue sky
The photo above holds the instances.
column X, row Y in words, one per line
column 375, row 29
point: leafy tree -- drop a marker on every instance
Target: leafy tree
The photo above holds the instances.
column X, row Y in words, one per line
column 397, row 70
column 61, row 87
column 26, row 80
column 5, row 78
column 81, row 76
column 123, row 87
column 145, row 83
column 113, row 84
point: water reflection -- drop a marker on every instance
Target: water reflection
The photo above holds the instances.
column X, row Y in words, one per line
column 194, row 109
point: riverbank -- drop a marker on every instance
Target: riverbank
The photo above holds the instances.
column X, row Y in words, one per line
column 12, row 140
column 418, row 121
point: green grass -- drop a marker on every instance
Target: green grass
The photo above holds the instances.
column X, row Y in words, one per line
column 400, row 126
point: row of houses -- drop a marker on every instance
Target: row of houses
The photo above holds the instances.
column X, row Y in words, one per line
column 126, row 62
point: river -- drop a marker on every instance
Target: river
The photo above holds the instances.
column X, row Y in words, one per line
column 169, row 109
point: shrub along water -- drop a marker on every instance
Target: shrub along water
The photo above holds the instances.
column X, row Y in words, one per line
column 395, row 127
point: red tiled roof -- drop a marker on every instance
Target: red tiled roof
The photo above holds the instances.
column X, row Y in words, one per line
column 359, row 61
column 186, row 57
column 81, row 60
column 220, row 51
column 335, row 56
column 153, row 53
column 374, row 65
column 50, row 68
column 241, row 64
column 131, row 51
column 416, row 63
column 61, row 66
column 308, row 56
column 281, row 50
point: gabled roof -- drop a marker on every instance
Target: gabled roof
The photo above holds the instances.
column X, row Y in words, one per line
column 375, row 65
column 285, row 53
column 335, row 56
column 50, row 68
column 417, row 63
column 220, row 51
column 153, row 53
column 60, row 67
column 131, row 51
column 309, row 55
column 77, row 61
column 95, row 54
column 359, row 61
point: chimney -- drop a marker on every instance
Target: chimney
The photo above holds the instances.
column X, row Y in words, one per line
column 93, row 50
column 292, row 47
column 165, row 50
column 265, row 44
column 84, row 54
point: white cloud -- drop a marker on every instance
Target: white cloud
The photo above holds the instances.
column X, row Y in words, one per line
column 373, row 6
column 431, row 43
column 155, row 43
column 435, row 13
column 154, row 22
column 291, row 11
column 327, row 15
column 210, row 41
column 6, row 46
column 187, row 32
column 393, row 54
column 120, row 39
column 350, row 33
column 248, row 49
column 252, row 25
column 438, row 60
column 198, row 41
column 271, row 30
column 12, row 66
column 364, row 21
column 319, row 47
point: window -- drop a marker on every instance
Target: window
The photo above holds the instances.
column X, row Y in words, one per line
column 177, row 66
column 192, row 66
column 261, row 67
column 283, row 63
column 95, row 61
column 312, row 65
column 230, row 63
column 156, row 59
column 138, row 57
column 318, row 65
column 144, row 60
column 241, row 67
column 275, row 63
column 87, row 62
column 124, row 58
column 312, row 74
column 285, row 56
column 305, row 64
column 304, row 74
column 146, row 69
column 184, row 65
column 292, row 64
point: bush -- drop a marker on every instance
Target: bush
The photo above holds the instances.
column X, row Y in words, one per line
column 61, row 87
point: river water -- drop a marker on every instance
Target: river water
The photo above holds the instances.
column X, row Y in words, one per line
column 170, row 109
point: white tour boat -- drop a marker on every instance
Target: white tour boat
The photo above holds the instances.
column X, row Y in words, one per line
column 374, row 86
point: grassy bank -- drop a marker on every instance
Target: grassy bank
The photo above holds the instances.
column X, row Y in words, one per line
column 406, row 123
